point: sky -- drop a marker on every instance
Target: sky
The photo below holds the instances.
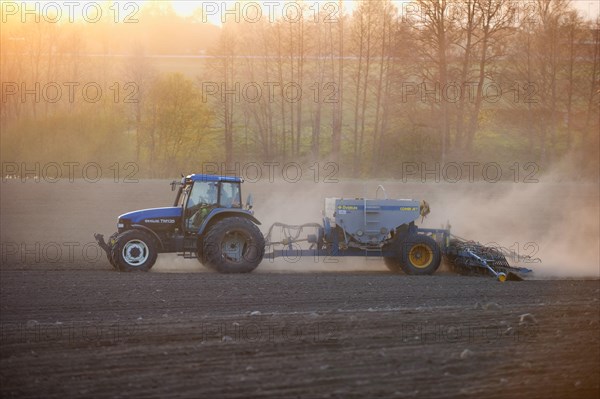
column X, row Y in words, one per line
column 589, row 8
column 216, row 10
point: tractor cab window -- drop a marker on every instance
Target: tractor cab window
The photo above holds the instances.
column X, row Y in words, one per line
column 203, row 193
column 230, row 195
column 201, row 200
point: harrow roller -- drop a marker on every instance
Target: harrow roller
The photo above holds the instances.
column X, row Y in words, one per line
column 470, row 257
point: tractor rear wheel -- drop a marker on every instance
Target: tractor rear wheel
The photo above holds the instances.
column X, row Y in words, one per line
column 420, row 255
column 200, row 256
column 233, row 245
column 134, row 251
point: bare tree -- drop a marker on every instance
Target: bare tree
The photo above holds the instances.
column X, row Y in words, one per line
column 140, row 72
column 496, row 20
column 437, row 34
column 338, row 105
column 382, row 97
column 224, row 68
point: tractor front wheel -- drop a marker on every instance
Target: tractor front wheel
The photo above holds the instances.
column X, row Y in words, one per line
column 111, row 242
column 420, row 255
column 134, row 251
column 233, row 245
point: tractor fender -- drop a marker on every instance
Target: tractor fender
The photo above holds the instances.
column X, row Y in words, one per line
column 224, row 212
column 150, row 231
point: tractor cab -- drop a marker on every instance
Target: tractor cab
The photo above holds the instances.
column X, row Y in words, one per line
column 199, row 195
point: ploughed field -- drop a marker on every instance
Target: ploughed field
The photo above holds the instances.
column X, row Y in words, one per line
column 70, row 326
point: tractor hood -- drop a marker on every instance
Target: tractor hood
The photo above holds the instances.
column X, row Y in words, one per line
column 153, row 215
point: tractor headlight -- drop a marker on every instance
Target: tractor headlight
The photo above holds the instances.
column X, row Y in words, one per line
column 122, row 224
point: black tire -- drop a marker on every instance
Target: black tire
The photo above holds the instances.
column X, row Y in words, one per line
column 200, row 256
column 134, row 251
column 393, row 264
column 241, row 237
column 420, row 255
column 110, row 243
column 112, row 261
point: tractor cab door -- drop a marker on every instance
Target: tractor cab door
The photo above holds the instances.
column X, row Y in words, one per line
column 202, row 198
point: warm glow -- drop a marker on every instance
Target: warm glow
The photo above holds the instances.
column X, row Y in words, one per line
column 185, row 8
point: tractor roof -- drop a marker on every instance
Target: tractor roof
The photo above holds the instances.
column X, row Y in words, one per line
column 201, row 177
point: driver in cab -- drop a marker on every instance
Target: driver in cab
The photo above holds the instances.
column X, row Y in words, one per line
column 201, row 205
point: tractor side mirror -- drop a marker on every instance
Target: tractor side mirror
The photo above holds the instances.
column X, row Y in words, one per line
column 249, row 201
column 174, row 184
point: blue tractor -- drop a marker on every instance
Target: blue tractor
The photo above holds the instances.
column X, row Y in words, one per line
column 207, row 221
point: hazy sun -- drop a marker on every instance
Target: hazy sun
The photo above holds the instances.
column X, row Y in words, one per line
column 185, row 8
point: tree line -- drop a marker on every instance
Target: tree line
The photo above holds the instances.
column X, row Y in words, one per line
column 442, row 81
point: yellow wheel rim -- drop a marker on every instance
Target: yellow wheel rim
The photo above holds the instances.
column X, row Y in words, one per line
column 420, row 256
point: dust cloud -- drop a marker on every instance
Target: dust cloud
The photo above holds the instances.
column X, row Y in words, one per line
column 556, row 219
column 302, row 202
